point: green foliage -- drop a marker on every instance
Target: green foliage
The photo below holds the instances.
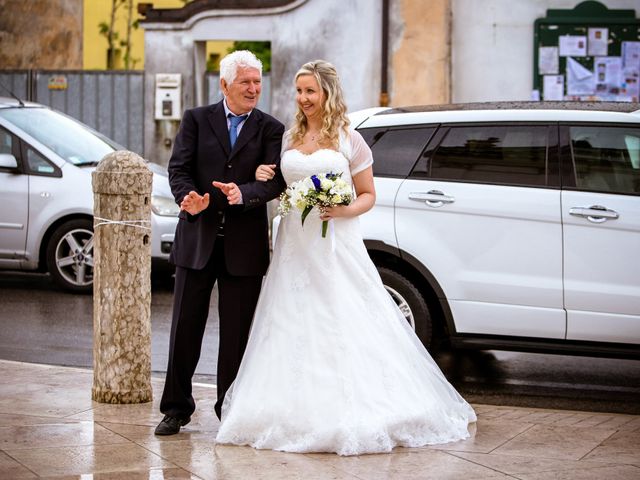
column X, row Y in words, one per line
column 107, row 30
column 262, row 50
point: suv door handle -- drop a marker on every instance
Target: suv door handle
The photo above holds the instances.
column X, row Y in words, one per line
column 433, row 198
column 594, row 213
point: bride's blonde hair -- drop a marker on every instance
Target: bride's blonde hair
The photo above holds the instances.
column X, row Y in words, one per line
column 334, row 109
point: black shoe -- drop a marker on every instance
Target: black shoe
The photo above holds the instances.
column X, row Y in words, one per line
column 171, row 425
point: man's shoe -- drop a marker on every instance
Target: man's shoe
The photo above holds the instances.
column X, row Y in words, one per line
column 171, row 425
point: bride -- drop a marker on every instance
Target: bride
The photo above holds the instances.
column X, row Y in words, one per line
column 331, row 364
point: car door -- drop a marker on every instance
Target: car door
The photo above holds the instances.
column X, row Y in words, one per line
column 14, row 198
column 601, row 218
column 481, row 211
column 395, row 151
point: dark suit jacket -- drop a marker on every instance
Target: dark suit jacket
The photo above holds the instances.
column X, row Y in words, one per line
column 202, row 154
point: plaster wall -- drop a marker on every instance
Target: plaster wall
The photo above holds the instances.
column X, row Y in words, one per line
column 41, row 34
column 344, row 32
column 492, row 46
column 420, row 52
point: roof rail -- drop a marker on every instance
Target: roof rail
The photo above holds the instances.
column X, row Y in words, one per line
column 624, row 107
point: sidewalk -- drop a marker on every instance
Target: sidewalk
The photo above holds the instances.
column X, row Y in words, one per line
column 51, row 428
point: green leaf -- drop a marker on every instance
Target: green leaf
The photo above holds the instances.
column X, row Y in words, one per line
column 305, row 212
column 262, row 50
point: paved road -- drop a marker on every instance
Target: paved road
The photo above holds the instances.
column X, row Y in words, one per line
column 42, row 324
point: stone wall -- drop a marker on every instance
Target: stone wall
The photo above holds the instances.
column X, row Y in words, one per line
column 43, row 34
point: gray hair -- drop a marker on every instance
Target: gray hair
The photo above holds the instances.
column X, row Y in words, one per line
column 239, row 59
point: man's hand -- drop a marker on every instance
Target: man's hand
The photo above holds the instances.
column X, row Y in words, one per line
column 231, row 190
column 194, row 203
column 265, row 172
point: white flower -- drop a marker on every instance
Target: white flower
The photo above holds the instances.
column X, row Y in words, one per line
column 306, row 184
column 326, row 184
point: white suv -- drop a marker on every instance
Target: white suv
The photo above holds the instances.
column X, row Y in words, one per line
column 46, row 199
column 511, row 226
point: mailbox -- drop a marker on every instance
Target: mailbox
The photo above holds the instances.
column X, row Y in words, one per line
column 168, row 96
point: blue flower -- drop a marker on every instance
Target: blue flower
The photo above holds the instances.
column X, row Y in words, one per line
column 316, row 182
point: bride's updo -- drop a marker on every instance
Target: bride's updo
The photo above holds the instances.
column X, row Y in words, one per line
column 334, row 109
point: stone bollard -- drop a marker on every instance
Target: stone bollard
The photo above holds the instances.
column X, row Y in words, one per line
column 122, row 280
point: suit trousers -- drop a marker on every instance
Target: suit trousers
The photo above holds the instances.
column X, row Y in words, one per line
column 237, row 299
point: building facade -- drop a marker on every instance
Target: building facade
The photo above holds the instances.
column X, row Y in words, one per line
column 40, row 34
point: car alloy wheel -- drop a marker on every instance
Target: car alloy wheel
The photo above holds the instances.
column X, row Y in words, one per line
column 410, row 302
column 403, row 305
column 70, row 255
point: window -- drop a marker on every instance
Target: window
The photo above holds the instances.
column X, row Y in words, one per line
column 395, row 151
column 71, row 140
column 9, row 146
column 606, row 159
column 496, row 154
column 6, row 143
column 37, row 164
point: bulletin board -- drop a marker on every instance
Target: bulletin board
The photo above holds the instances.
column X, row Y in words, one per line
column 588, row 53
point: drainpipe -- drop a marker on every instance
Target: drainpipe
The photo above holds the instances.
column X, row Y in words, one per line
column 384, row 88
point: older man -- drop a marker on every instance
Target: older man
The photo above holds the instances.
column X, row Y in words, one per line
column 222, row 233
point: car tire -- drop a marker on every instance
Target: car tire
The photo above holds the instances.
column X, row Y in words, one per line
column 410, row 301
column 70, row 255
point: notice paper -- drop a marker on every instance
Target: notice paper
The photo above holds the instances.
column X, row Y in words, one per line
column 598, row 41
column 553, row 87
column 580, row 80
column 608, row 72
column 631, row 54
column 548, row 61
column 573, row 46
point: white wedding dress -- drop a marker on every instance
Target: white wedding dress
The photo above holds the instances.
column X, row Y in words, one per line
column 331, row 364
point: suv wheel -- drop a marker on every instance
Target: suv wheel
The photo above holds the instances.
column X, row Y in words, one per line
column 410, row 301
column 70, row 255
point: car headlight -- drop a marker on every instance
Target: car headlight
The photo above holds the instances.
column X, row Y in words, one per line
column 164, row 206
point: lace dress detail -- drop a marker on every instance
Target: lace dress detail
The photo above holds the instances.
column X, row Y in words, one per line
column 331, row 364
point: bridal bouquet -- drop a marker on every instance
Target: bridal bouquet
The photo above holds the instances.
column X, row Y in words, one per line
column 322, row 191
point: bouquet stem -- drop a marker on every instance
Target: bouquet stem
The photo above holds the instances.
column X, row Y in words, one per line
column 325, row 223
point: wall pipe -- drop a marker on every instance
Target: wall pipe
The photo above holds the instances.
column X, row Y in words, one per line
column 384, row 73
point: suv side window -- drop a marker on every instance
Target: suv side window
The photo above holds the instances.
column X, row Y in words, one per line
column 495, row 154
column 606, row 159
column 396, row 150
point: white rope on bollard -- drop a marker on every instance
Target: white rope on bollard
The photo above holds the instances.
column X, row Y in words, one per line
column 127, row 223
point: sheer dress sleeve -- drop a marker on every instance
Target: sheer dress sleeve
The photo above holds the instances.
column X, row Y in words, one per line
column 286, row 142
column 361, row 157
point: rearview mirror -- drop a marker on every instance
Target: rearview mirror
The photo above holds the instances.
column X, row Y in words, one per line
column 8, row 161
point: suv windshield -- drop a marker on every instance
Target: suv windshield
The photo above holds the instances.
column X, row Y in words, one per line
column 70, row 139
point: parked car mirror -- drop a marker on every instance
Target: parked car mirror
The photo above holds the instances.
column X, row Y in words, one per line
column 8, row 161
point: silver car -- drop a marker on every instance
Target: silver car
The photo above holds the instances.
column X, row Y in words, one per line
column 46, row 214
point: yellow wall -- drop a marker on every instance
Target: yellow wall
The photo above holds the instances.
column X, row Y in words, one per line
column 94, row 51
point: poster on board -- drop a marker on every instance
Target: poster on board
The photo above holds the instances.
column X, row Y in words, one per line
column 548, row 63
column 580, row 80
column 573, row 46
column 598, row 42
column 553, row 87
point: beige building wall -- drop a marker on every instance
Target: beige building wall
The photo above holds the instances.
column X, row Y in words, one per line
column 41, row 34
column 420, row 58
